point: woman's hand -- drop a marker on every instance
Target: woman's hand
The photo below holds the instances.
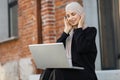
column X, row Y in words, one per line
column 81, row 23
column 68, row 27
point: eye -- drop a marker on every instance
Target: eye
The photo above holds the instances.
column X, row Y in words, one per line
column 73, row 14
column 67, row 16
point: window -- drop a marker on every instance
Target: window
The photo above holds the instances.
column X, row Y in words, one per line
column 8, row 20
column 13, row 18
column 110, row 31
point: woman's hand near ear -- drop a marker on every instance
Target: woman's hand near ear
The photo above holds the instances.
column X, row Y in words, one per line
column 81, row 23
column 68, row 27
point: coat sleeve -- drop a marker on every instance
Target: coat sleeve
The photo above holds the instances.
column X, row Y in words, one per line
column 86, row 40
column 63, row 38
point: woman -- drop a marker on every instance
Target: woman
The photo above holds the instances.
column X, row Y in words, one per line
column 79, row 41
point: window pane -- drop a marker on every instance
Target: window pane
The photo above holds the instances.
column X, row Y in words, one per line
column 118, row 33
column 13, row 21
column 11, row 1
column 3, row 19
column 107, row 35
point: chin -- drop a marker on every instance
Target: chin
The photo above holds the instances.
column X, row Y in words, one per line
column 74, row 24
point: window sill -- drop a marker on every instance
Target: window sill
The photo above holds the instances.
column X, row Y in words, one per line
column 9, row 39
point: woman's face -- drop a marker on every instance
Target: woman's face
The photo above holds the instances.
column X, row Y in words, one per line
column 73, row 18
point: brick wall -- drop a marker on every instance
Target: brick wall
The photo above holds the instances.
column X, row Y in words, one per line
column 48, row 21
column 39, row 21
column 27, row 30
column 29, row 26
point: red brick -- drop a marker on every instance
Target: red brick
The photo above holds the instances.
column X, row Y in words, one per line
column 31, row 29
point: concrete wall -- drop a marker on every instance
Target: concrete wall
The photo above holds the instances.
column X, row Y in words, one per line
column 17, row 70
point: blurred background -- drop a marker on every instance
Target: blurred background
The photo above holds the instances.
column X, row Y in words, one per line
column 24, row 22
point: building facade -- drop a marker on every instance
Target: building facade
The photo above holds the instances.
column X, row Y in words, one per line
column 24, row 22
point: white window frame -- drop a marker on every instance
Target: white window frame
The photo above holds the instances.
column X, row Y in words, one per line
column 9, row 30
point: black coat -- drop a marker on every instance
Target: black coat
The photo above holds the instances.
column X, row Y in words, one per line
column 83, row 51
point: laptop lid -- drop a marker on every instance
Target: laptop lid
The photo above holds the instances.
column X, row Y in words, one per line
column 52, row 55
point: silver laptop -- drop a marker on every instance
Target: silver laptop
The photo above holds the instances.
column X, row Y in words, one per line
column 52, row 55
